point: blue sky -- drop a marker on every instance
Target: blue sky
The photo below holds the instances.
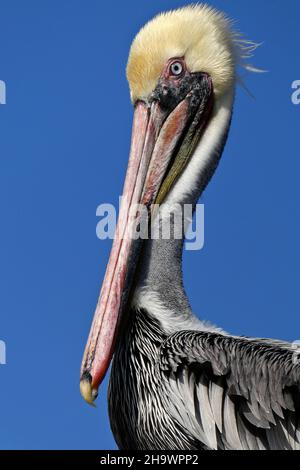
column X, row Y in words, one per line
column 63, row 63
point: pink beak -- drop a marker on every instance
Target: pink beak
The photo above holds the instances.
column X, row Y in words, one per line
column 156, row 135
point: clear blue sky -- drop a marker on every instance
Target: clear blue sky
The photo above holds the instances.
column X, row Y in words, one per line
column 65, row 133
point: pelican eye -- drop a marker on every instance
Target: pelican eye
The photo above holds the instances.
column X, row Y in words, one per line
column 176, row 68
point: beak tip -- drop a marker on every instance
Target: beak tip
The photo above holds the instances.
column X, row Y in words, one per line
column 88, row 393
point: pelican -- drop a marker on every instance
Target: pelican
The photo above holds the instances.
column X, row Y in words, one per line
column 176, row 381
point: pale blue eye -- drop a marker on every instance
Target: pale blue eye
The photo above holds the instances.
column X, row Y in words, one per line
column 176, row 68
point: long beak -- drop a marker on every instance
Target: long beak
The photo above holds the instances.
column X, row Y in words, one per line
column 157, row 135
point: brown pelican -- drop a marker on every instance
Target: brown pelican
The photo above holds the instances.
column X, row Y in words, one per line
column 177, row 382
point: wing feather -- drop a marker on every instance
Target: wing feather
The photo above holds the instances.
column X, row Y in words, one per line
column 230, row 392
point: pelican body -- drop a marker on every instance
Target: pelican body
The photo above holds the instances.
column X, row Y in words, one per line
column 176, row 381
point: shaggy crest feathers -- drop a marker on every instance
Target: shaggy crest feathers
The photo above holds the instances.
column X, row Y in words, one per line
column 199, row 33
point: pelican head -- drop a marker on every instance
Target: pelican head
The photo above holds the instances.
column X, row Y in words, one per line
column 181, row 66
column 198, row 36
